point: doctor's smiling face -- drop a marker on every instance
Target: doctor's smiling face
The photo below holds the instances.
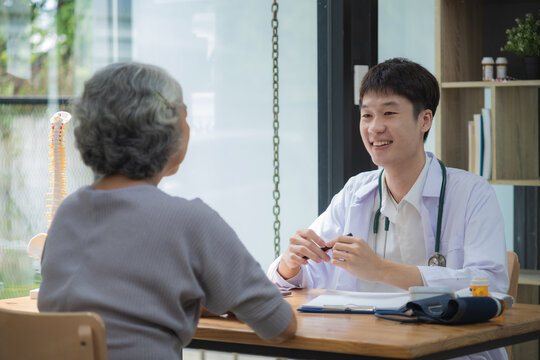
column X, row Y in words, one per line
column 392, row 134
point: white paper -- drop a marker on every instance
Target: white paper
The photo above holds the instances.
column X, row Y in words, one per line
column 352, row 300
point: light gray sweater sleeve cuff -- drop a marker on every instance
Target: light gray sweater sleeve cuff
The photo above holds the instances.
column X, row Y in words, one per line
column 274, row 323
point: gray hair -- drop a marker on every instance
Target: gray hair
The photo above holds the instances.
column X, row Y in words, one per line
column 126, row 120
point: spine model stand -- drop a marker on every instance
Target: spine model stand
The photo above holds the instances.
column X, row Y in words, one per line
column 57, row 179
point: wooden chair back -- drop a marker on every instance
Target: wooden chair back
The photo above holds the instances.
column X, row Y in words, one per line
column 513, row 273
column 75, row 335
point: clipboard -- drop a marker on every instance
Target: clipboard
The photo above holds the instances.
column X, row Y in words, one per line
column 353, row 302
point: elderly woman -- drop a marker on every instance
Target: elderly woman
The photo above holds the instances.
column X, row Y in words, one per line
column 144, row 260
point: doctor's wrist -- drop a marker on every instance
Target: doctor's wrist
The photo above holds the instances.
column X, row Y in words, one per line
column 287, row 272
column 384, row 271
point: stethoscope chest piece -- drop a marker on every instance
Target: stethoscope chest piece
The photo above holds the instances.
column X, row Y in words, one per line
column 437, row 260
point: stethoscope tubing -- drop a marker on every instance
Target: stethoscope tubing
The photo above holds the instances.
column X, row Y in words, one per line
column 439, row 210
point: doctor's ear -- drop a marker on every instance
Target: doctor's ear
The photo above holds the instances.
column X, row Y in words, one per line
column 426, row 117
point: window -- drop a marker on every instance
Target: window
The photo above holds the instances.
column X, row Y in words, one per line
column 38, row 75
column 220, row 51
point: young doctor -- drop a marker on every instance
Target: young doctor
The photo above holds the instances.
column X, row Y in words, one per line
column 412, row 223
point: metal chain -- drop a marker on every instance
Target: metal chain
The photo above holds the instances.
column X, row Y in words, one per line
column 275, row 73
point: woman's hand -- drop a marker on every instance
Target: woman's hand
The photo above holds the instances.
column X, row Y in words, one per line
column 207, row 313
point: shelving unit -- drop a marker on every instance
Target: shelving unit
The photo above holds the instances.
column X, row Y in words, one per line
column 529, row 277
column 514, row 127
column 514, row 104
column 465, row 32
column 459, row 47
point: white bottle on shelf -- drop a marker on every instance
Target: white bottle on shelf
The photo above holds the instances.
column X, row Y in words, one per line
column 502, row 65
column 488, row 65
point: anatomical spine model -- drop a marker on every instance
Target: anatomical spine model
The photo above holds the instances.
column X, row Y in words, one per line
column 57, row 178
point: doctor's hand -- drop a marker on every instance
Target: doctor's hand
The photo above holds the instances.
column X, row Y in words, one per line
column 304, row 243
column 356, row 257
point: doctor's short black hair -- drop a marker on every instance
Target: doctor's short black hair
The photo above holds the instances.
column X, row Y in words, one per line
column 400, row 76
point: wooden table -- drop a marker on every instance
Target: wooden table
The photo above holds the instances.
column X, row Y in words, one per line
column 356, row 336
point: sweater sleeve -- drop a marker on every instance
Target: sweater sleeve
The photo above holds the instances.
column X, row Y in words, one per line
column 220, row 258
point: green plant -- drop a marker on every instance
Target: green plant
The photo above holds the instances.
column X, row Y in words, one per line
column 524, row 39
column 37, row 31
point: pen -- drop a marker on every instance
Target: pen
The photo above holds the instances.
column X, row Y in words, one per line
column 326, row 248
column 285, row 292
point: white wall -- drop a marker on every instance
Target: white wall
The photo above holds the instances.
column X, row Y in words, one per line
column 220, row 52
column 407, row 29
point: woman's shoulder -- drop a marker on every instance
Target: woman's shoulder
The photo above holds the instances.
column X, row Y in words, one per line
column 76, row 198
column 195, row 210
column 195, row 205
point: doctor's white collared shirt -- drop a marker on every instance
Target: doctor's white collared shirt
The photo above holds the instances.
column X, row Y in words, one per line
column 404, row 240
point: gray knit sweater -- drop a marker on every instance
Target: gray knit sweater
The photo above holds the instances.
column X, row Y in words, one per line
column 145, row 261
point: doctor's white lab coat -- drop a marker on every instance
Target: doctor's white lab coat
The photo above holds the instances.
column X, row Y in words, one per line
column 472, row 233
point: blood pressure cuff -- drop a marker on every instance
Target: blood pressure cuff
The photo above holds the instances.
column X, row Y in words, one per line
column 445, row 309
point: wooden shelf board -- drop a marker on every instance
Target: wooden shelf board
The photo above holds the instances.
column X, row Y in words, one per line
column 529, row 277
column 520, row 182
column 488, row 84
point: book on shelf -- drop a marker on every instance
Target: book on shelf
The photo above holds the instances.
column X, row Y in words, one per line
column 486, row 126
column 479, row 145
column 471, row 146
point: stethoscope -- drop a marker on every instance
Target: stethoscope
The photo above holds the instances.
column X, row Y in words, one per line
column 436, row 259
